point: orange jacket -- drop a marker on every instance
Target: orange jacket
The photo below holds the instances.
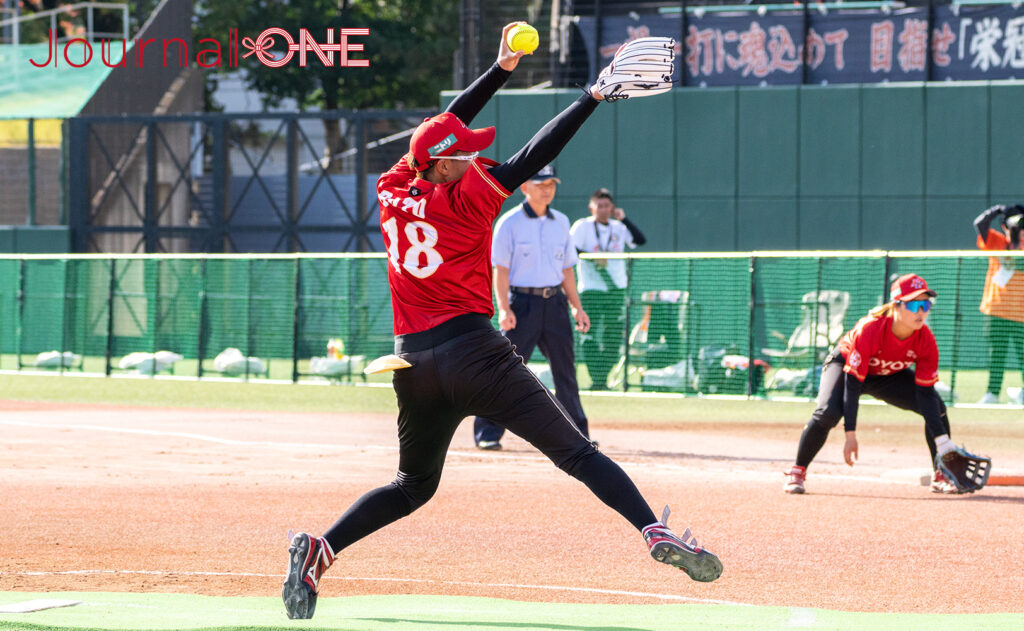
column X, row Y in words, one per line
column 1002, row 302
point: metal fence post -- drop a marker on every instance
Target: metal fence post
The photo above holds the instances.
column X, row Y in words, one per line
column 750, row 329
column 248, row 317
column 202, row 318
column 78, row 183
column 292, row 184
column 19, row 326
column 30, row 220
column 296, row 319
column 111, row 290
column 153, row 310
column 221, row 196
column 928, row 61
column 957, row 320
column 814, row 327
column 885, row 280
column 803, row 60
column 683, row 27
column 64, row 316
column 627, row 324
column 362, row 214
column 150, row 235
column 63, row 172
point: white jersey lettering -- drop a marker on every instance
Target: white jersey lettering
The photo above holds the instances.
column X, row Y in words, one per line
column 422, row 238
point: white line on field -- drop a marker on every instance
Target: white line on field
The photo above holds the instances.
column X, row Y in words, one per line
column 670, row 467
column 588, row 590
column 193, row 436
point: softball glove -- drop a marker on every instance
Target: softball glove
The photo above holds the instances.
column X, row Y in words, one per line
column 641, row 67
column 965, row 470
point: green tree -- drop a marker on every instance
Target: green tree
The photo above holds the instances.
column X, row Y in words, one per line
column 410, row 48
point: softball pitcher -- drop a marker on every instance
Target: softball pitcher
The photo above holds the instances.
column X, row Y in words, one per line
column 437, row 208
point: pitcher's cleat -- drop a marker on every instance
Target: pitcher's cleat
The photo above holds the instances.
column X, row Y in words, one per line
column 700, row 564
column 308, row 559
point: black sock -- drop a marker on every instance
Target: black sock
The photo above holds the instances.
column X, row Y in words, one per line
column 811, row 442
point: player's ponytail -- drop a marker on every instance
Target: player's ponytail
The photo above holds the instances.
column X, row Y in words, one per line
column 883, row 311
column 415, row 165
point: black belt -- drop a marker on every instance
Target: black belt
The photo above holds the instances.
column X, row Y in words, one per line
column 543, row 292
column 447, row 330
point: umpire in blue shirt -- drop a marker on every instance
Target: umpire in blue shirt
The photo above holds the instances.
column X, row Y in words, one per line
column 533, row 257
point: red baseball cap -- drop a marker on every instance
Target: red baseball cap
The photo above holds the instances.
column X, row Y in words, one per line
column 908, row 287
column 443, row 135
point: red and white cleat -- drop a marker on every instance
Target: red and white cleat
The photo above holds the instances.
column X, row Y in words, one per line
column 940, row 484
column 308, row 559
column 700, row 564
column 795, row 480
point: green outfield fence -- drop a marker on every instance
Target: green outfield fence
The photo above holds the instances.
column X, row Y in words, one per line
column 691, row 324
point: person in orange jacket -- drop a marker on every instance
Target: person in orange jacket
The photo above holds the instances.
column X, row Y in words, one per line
column 1003, row 299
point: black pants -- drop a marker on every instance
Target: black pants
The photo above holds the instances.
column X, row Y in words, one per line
column 600, row 348
column 542, row 323
column 897, row 389
column 478, row 373
column 1002, row 335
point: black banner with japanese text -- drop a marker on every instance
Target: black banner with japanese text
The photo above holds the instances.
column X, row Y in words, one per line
column 719, row 49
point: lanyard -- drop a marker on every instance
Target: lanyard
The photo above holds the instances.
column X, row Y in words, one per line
column 600, row 247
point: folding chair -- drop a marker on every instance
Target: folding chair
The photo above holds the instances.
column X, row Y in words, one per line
column 818, row 331
column 657, row 340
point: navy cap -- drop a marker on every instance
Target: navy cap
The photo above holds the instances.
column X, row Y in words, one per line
column 545, row 174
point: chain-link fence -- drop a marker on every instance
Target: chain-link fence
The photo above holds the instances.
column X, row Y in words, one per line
column 722, row 324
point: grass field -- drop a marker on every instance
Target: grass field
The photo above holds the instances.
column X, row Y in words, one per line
column 135, row 612
column 643, row 408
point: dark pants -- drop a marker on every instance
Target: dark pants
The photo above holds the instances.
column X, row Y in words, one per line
column 478, row 373
column 1002, row 334
column 601, row 345
column 897, row 389
column 542, row 323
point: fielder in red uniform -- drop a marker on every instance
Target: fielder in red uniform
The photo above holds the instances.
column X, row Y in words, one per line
column 876, row 358
column 437, row 206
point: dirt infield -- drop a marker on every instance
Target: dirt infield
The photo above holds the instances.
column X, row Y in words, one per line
column 200, row 501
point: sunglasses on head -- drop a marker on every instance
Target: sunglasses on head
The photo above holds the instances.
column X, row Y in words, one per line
column 471, row 156
column 914, row 306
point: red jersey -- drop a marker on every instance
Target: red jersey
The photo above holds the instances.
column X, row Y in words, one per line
column 870, row 348
column 438, row 239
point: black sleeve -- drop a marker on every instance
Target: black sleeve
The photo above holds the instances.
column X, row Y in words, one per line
column 473, row 99
column 983, row 221
column 634, row 232
column 851, row 401
column 930, row 404
column 545, row 145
